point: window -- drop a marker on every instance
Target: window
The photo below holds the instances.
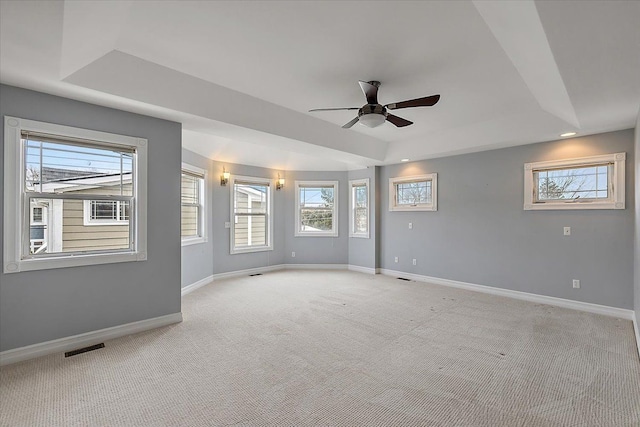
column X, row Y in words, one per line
column 75, row 192
column 316, row 208
column 414, row 193
column 192, row 219
column 106, row 212
column 359, row 208
column 251, row 210
column 595, row 182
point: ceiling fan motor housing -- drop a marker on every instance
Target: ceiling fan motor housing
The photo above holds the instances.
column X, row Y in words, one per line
column 372, row 109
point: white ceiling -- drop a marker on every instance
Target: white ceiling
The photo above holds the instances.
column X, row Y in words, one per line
column 241, row 76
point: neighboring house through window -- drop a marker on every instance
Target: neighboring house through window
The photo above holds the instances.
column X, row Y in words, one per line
column 193, row 212
column 359, row 208
column 316, row 208
column 84, row 193
column 252, row 214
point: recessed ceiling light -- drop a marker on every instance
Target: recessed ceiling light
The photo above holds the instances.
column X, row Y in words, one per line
column 568, row 134
column 404, row 160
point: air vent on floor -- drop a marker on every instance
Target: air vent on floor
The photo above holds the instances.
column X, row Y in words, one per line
column 402, row 278
column 84, row 350
column 255, row 274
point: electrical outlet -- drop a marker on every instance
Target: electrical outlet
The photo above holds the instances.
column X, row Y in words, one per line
column 414, row 261
column 293, row 254
column 395, row 259
column 410, row 225
column 567, row 231
column 576, row 284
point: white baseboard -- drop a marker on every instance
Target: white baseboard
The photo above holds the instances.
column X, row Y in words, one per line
column 366, row 270
column 86, row 339
column 192, row 287
column 541, row 299
column 314, row 266
column 636, row 328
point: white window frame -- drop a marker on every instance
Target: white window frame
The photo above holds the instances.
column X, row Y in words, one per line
column 16, row 222
column 334, row 230
column 44, row 215
column 393, row 197
column 88, row 221
column 353, row 184
column 269, row 222
column 203, row 235
column 616, row 199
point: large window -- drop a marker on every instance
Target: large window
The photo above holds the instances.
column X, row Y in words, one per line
column 192, row 223
column 251, row 213
column 414, row 193
column 359, row 208
column 79, row 196
column 595, row 182
column 316, row 208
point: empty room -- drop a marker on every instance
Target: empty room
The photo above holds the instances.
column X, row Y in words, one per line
column 320, row 213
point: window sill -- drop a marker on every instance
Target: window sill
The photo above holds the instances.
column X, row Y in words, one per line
column 573, row 206
column 359, row 236
column 250, row 250
column 194, row 241
column 412, row 208
column 72, row 261
column 307, row 234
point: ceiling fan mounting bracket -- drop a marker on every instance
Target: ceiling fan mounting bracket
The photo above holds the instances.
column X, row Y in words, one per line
column 374, row 83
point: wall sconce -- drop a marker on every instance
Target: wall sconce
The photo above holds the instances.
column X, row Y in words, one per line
column 279, row 183
column 224, row 178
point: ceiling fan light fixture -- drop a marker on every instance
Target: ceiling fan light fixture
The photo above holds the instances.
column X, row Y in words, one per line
column 372, row 120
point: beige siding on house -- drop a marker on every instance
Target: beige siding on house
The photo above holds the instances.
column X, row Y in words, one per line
column 246, row 226
column 76, row 236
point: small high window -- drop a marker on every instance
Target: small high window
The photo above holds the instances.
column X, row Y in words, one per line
column 595, row 182
column 316, row 208
column 413, row 193
column 359, row 208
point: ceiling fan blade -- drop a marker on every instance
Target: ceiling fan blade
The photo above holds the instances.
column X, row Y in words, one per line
column 370, row 92
column 427, row 101
column 351, row 123
column 334, row 109
column 398, row 121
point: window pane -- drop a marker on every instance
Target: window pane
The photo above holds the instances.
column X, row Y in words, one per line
column 586, row 182
column 250, row 230
column 64, row 228
column 250, row 198
column 413, row 193
column 189, row 221
column 361, row 221
column 58, row 167
column 190, row 189
column 316, row 219
column 37, row 214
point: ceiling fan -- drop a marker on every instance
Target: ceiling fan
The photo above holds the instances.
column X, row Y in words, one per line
column 373, row 114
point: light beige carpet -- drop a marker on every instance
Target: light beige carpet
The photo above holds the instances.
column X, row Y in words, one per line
column 329, row 348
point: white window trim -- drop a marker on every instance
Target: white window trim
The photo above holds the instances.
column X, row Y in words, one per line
column 14, row 221
column 204, row 191
column 44, row 215
column 617, row 201
column 269, row 246
column 352, row 211
column 87, row 221
column 334, row 222
column 433, row 206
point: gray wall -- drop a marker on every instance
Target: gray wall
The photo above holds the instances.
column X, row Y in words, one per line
column 636, row 261
column 317, row 250
column 481, row 234
column 44, row 305
column 362, row 252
